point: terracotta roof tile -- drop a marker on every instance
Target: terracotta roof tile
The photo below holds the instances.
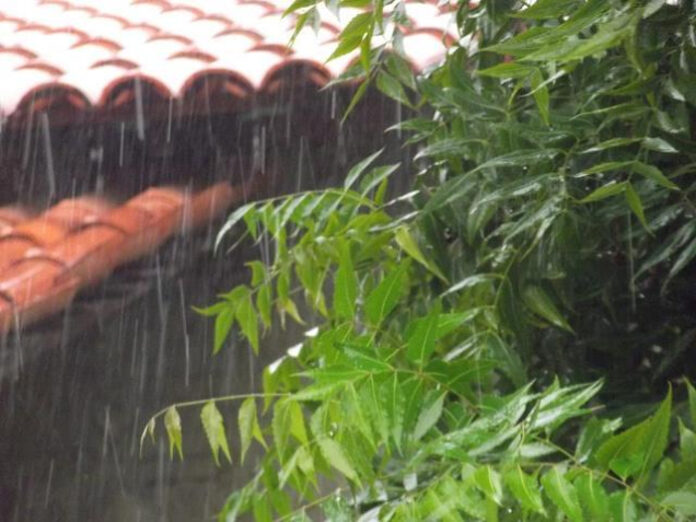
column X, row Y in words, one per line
column 55, row 46
column 45, row 261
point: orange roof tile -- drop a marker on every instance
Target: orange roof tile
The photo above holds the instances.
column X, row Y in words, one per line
column 88, row 54
column 45, row 261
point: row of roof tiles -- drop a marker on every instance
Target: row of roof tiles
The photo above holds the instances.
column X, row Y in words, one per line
column 46, row 259
column 84, row 49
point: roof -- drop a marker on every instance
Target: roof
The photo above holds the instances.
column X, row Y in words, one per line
column 98, row 55
column 46, row 259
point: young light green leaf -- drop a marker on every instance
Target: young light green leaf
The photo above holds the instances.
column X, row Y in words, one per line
column 622, row 507
column 297, row 426
column 263, row 304
column 489, row 482
column 172, row 423
column 248, row 426
column 382, row 300
column 610, row 189
column 593, row 498
column 562, row 494
column 336, row 457
column 682, row 502
column 214, row 428
column 248, row 321
column 525, row 490
column 223, row 324
column 421, row 342
column 541, row 304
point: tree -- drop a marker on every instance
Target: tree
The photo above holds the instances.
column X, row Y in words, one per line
column 548, row 243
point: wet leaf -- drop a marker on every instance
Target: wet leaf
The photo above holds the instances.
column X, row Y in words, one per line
column 525, row 490
column 382, row 300
column 541, row 304
column 636, row 205
column 172, row 423
column 562, row 494
column 214, row 428
column 421, row 342
column 248, row 321
column 223, row 324
column 336, row 457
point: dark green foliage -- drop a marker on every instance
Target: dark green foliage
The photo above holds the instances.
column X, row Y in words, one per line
column 551, row 242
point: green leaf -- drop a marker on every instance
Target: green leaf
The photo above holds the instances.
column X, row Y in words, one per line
column 236, row 216
column 541, row 304
column 525, row 490
column 543, row 9
column 409, row 245
column 356, row 171
column 610, row 189
column 541, row 94
column 636, row 205
column 508, row 70
column 592, row 496
column 390, row 86
column 214, row 428
column 345, row 287
column 258, row 272
column 683, row 502
column 562, row 494
column 421, row 342
column 622, row 507
column 653, row 173
column 644, row 443
column 692, row 402
column 297, row 426
column 223, row 324
column 612, row 143
column 489, row 482
column 428, row 416
column 336, row 457
column 248, row 426
column 382, row 300
column 172, row 423
column 248, row 321
column 470, row 282
column 263, row 304
column 659, row 145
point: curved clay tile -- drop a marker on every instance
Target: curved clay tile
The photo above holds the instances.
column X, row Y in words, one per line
column 35, row 288
column 90, row 254
column 165, row 208
column 40, row 231
column 295, row 71
column 208, row 204
column 72, row 213
column 12, row 216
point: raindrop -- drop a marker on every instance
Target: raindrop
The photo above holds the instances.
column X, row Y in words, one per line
column 187, row 347
column 48, row 483
column 139, row 114
column 120, row 150
column 50, row 173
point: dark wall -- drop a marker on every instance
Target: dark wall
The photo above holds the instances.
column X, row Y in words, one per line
column 76, row 390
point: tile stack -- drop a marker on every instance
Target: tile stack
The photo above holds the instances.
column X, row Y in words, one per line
column 46, row 259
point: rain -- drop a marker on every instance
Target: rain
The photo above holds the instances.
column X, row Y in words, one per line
column 78, row 384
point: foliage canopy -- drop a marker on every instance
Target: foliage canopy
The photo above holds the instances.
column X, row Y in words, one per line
column 488, row 345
